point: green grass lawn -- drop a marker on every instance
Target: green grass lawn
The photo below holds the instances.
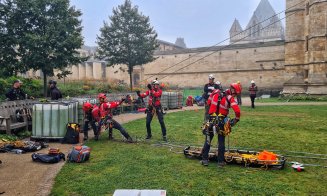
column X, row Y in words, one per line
column 116, row 165
column 299, row 98
column 269, row 100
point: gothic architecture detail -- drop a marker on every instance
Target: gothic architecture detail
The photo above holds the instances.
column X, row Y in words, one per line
column 263, row 26
column 180, row 42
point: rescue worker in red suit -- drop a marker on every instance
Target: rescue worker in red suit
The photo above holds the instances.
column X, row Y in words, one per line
column 89, row 118
column 219, row 109
column 207, row 90
column 106, row 116
column 154, row 107
column 253, row 92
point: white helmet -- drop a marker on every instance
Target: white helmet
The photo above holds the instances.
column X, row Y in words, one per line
column 252, row 82
column 211, row 77
column 155, row 82
column 218, row 83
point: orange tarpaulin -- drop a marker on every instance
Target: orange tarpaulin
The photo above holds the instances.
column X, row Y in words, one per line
column 267, row 156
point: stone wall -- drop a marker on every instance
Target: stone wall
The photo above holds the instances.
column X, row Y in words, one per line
column 262, row 62
column 306, row 47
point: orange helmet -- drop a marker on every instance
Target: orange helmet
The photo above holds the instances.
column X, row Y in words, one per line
column 102, row 96
column 87, row 106
column 236, row 87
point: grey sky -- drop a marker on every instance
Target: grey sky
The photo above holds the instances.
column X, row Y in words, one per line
column 199, row 22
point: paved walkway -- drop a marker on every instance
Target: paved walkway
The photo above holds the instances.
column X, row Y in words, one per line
column 19, row 175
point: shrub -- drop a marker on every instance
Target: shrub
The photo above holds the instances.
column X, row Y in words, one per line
column 32, row 87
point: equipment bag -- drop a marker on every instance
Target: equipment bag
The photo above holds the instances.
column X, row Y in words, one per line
column 72, row 134
column 48, row 158
column 79, row 154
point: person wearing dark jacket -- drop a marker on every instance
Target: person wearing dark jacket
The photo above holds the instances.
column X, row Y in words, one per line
column 55, row 93
column 208, row 88
column 16, row 93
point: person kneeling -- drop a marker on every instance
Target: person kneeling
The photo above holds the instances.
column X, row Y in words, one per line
column 107, row 117
column 89, row 118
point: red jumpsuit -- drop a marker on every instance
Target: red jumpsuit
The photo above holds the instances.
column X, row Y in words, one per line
column 105, row 108
column 226, row 102
column 154, row 94
column 106, row 118
column 154, row 103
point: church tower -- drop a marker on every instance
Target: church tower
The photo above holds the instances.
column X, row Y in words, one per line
column 263, row 26
column 180, row 42
column 306, row 47
column 236, row 30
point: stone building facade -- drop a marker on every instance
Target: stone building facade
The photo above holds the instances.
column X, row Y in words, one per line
column 306, row 47
column 262, row 62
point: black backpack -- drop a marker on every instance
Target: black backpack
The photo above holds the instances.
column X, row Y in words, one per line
column 48, row 158
column 72, row 134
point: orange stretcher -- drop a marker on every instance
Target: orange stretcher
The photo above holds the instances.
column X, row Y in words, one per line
column 247, row 158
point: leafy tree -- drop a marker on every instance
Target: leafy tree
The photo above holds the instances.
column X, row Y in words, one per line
column 128, row 39
column 9, row 40
column 46, row 34
column 63, row 74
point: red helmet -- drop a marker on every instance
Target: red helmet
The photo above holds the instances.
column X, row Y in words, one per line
column 102, row 96
column 87, row 106
column 236, row 87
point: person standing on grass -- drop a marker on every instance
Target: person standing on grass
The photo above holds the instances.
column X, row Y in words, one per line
column 253, row 92
column 154, row 107
column 218, row 112
column 239, row 96
column 208, row 88
column 107, row 117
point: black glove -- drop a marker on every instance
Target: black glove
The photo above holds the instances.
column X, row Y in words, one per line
column 122, row 100
column 138, row 93
column 149, row 86
column 233, row 122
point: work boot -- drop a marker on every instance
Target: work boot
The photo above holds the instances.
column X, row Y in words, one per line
column 129, row 140
column 148, row 137
column 164, row 138
column 110, row 135
column 204, row 162
column 221, row 164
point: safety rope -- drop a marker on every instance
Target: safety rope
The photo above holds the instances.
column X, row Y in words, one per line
column 227, row 40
